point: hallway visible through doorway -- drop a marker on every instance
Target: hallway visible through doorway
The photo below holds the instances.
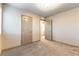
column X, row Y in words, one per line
column 42, row 29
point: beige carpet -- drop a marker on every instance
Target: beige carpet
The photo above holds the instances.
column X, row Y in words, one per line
column 43, row 48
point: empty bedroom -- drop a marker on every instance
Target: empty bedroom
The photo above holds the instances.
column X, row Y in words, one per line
column 39, row 29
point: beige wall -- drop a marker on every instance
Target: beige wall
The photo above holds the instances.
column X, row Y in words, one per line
column 12, row 26
column 66, row 27
column 0, row 25
column 36, row 28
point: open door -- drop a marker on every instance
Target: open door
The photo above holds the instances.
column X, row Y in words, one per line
column 48, row 29
column 26, row 30
column 42, row 27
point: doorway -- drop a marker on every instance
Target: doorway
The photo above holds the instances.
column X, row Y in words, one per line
column 42, row 27
column 26, row 30
column 48, row 29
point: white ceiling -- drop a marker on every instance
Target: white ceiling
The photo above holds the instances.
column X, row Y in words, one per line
column 32, row 8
